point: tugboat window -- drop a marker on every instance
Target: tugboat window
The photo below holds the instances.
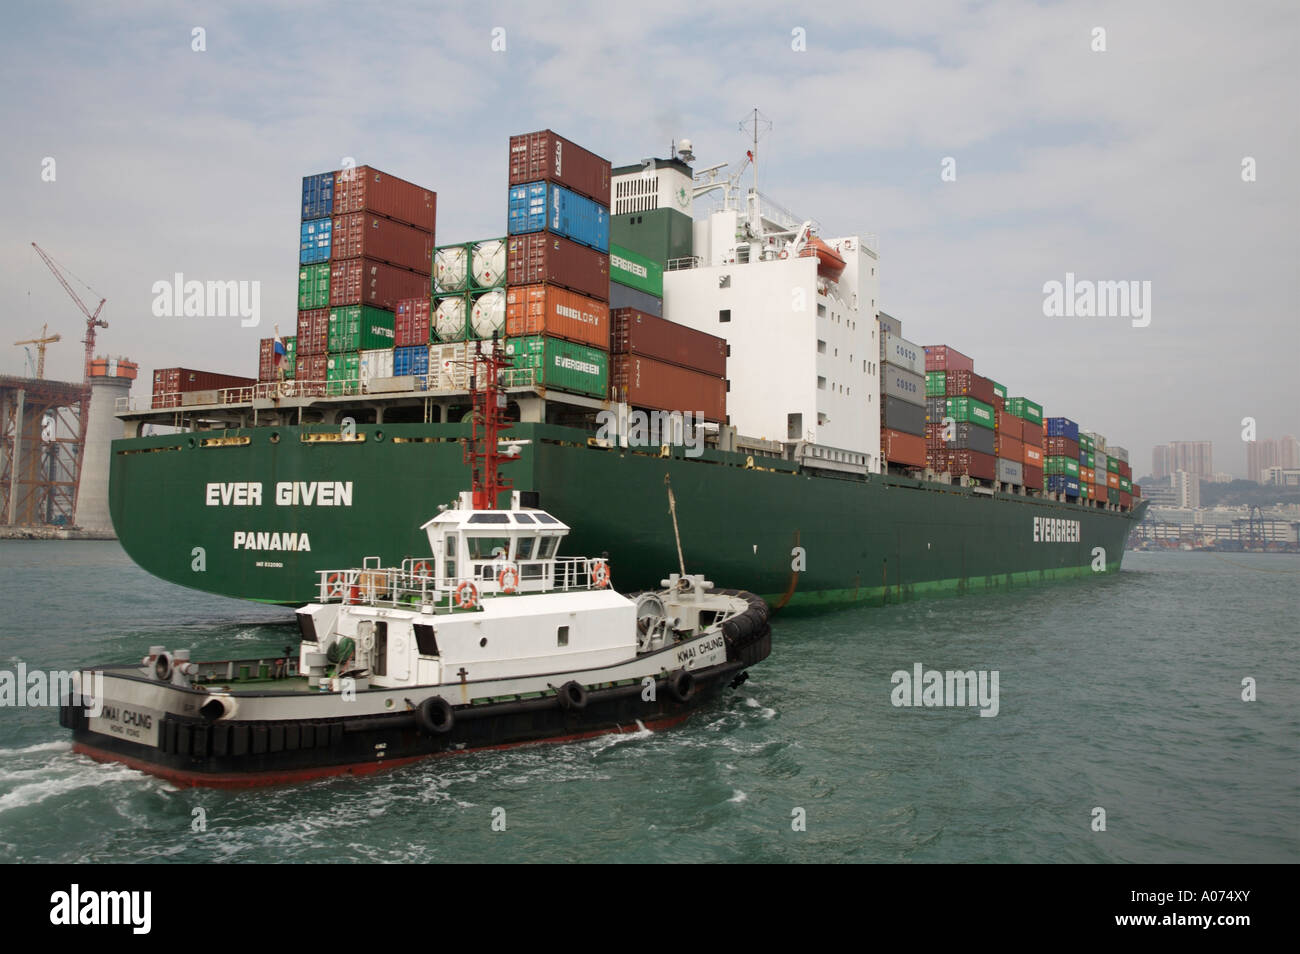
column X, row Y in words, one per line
column 546, row 518
column 490, row 518
column 523, row 518
column 425, row 639
column 524, row 548
column 547, row 548
column 487, row 548
column 562, row 636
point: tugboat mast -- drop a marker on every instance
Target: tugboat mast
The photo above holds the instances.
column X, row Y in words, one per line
column 483, row 454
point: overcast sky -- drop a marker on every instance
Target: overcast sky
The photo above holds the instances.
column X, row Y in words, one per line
column 1117, row 165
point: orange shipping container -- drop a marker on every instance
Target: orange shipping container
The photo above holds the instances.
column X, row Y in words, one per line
column 555, row 311
column 1112, row 481
column 1033, row 456
column 903, row 448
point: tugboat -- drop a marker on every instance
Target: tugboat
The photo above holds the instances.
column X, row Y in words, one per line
column 493, row 641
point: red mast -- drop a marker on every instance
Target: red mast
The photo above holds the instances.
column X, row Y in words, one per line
column 482, row 453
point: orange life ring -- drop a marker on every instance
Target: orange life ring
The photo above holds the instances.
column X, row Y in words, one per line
column 785, row 253
column 508, row 579
column 334, row 586
column 600, row 573
column 466, row 595
column 422, row 569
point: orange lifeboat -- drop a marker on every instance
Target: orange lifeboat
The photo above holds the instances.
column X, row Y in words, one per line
column 830, row 265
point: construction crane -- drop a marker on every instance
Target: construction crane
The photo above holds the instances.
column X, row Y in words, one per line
column 41, row 342
column 93, row 321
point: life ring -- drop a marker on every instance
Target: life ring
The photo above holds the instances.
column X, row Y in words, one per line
column 435, row 716
column 466, row 595
column 422, row 569
column 572, row 696
column 600, row 574
column 785, row 253
column 508, row 579
column 681, row 684
column 334, row 586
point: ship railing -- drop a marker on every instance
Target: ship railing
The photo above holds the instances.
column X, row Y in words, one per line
column 682, row 263
column 415, row 584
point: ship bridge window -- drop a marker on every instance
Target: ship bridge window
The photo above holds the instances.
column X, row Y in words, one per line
column 490, row 518
column 546, row 547
column 546, row 518
column 524, row 548
column 487, row 548
column 523, row 518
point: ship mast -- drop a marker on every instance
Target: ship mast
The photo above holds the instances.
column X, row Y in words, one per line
column 483, row 454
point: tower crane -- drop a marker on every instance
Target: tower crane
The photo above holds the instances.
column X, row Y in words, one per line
column 41, row 343
column 93, row 321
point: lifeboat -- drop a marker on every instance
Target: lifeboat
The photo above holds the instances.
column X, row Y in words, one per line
column 830, row 265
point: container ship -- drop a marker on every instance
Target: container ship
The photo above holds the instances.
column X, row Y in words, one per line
column 732, row 360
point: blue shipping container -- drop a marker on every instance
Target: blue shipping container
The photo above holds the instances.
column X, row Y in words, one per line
column 315, row 247
column 317, row 196
column 411, row 359
column 536, row 206
column 1061, row 484
column 1062, row 427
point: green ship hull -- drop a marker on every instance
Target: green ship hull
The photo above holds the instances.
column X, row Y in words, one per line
column 255, row 513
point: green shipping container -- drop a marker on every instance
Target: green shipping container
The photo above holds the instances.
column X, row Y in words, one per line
column 970, row 410
column 1112, row 465
column 636, row 271
column 342, row 374
column 290, row 356
column 936, row 383
column 1025, row 409
column 314, row 287
column 1084, row 491
column 1086, row 458
column 659, row 235
column 999, row 390
column 359, row 328
column 563, row 365
column 1061, row 465
column 1125, row 485
column 1112, row 495
column 1085, row 444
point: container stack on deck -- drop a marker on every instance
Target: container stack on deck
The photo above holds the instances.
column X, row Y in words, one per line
column 902, row 397
column 181, row 387
column 659, row 365
column 557, row 264
column 366, row 245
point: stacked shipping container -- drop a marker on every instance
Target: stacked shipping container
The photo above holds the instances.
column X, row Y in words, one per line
column 902, row 397
column 659, row 365
column 177, row 387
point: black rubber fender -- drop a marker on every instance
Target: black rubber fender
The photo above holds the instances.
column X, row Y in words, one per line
column 681, row 685
column 435, row 716
column 572, row 696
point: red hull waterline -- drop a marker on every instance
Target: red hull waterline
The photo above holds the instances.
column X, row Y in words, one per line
column 183, row 779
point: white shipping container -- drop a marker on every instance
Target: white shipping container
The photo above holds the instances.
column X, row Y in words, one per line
column 489, row 263
column 377, row 364
column 1119, row 453
column 1011, row 471
column 1097, row 440
column 448, row 370
column 489, row 314
column 451, row 268
column 449, row 319
column 1098, row 461
column 903, row 384
column 903, row 354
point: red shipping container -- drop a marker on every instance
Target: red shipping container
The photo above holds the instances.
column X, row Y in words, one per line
column 1125, row 470
column 972, row 463
column 943, row 358
column 1062, row 447
column 999, row 404
column 170, row 383
column 1011, row 426
column 411, row 322
column 644, row 382
column 366, row 235
column 1033, row 456
column 550, row 310
column 1034, row 477
column 361, row 281
column 365, row 189
column 1008, row 448
column 546, row 258
column 1137, row 491
column 901, row 448
column 635, row 332
column 312, row 367
column 313, row 331
column 1032, row 433
column 959, row 382
column 544, row 155
column 1125, row 499
column 266, row 360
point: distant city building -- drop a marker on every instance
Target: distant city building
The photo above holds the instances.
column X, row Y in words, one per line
column 1260, row 455
column 1281, row 476
column 1187, row 489
column 1195, row 457
column 1288, row 452
column 1221, row 478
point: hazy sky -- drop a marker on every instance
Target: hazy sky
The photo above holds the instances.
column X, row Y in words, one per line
column 1122, row 165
